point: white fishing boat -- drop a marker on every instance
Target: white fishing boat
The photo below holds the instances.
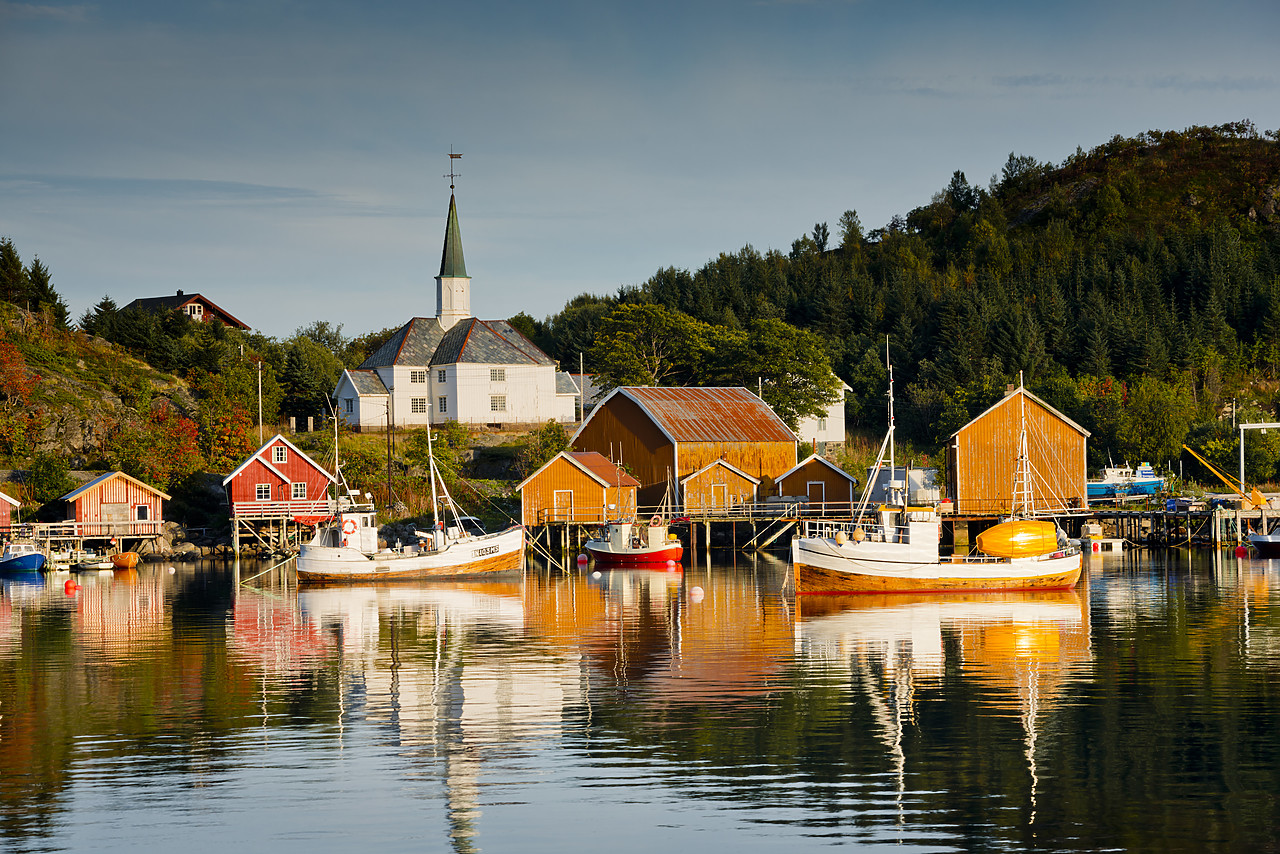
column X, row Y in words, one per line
column 896, row 548
column 346, row 548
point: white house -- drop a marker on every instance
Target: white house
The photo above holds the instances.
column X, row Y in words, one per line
column 828, row 427
column 453, row 367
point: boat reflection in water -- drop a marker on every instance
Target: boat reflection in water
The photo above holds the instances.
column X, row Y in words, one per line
column 1018, row 648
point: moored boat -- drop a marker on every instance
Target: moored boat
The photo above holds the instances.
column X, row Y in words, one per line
column 631, row 544
column 124, row 560
column 896, row 548
column 346, row 548
column 1119, row 481
column 21, row 557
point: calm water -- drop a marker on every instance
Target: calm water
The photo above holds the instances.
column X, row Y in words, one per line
column 636, row 711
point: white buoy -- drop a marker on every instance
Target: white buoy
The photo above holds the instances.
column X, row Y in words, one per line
column 595, row 574
column 695, row 594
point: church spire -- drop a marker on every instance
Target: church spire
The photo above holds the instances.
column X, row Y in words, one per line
column 453, row 285
column 452, row 264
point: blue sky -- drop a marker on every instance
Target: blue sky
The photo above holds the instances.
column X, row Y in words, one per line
column 286, row 158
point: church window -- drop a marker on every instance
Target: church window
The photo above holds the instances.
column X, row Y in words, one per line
column 418, row 404
column 440, row 375
column 350, row 404
column 497, row 375
column 444, row 405
column 417, row 376
column 498, row 403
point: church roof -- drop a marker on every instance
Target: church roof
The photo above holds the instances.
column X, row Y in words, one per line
column 413, row 344
column 490, row 342
column 452, row 265
column 565, row 383
column 366, row 382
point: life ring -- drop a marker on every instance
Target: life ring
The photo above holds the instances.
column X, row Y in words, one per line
column 655, row 521
column 349, row 526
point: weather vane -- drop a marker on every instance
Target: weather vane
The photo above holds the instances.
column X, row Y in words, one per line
column 452, row 174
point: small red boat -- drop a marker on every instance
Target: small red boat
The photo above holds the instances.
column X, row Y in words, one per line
column 628, row 544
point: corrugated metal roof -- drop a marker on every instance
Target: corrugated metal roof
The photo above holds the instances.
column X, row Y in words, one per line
column 599, row 465
column 710, row 414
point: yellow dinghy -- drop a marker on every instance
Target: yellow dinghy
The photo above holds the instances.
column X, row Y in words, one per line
column 1019, row 538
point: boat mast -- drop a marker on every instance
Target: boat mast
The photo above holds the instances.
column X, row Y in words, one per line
column 431, row 472
column 1022, row 494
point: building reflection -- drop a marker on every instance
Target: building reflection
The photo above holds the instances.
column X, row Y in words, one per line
column 1017, row 649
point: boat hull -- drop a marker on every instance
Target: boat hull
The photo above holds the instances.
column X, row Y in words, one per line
column 1267, row 545
column 23, row 563
column 492, row 554
column 605, row 556
column 124, row 560
column 824, row 566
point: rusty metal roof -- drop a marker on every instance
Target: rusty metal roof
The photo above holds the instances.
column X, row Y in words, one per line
column 599, row 465
column 709, row 414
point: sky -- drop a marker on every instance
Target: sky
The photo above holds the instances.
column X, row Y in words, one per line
column 287, row 159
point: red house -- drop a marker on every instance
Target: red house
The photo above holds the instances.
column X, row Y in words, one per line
column 195, row 306
column 115, row 505
column 278, row 480
column 8, row 510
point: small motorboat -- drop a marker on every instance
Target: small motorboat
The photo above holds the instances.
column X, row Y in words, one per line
column 92, row 563
column 628, row 544
column 21, row 557
column 124, row 560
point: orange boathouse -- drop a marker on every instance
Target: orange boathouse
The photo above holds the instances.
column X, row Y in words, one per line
column 664, row 435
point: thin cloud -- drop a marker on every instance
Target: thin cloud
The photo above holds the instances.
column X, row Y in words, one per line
column 194, row 192
column 33, row 12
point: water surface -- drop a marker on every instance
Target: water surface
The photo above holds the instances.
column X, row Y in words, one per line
column 628, row 711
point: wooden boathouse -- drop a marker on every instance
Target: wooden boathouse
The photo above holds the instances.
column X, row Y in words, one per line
column 664, row 435
column 718, row 486
column 820, row 481
column 577, row 487
column 982, row 458
column 275, row 494
column 113, row 507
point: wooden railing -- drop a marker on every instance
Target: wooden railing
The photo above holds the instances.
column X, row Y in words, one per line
column 93, row 530
column 322, row 507
column 749, row 510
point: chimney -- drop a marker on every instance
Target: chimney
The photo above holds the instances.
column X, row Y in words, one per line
column 179, row 293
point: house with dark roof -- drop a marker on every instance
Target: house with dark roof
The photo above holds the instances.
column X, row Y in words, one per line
column 454, row 367
column 195, row 306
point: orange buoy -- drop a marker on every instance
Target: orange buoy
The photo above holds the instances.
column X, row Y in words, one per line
column 70, row 587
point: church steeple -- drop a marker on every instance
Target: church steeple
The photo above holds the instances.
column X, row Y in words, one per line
column 452, row 266
column 453, row 285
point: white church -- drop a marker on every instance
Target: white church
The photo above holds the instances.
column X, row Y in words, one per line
column 453, row 367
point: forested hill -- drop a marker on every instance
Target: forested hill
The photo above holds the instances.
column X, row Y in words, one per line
column 1136, row 286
